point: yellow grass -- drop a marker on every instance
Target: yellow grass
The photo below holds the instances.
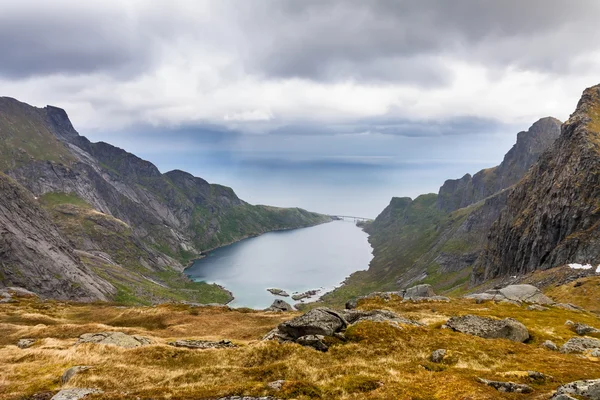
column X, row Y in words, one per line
column 377, row 362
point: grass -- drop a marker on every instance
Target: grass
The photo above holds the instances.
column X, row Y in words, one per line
column 377, row 361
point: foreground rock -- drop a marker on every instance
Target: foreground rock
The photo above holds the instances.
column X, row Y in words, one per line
column 314, row 326
column 202, row 344
column 517, row 293
column 280, row 306
column 25, row 343
column 278, row 292
column 489, row 328
column 589, row 389
column 579, row 345
column 71, row 372
column 114, row 338
column 507, row 387
column 75, row 393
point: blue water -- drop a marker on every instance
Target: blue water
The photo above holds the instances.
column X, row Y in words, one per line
column 319, row 257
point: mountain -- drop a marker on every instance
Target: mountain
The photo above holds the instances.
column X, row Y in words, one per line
column 552, row 216
column 437, row 238
column 134, row 226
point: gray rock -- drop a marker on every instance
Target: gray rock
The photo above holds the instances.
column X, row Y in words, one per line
column 508, row 387
column 278, row 292
column 202, row 344
column 114, row 338
column 305, row 295
column 568, row 307
column 432, row 299
column 525, row 294
column 578, row 345
column 562, row 397
column 437, row 356
column 280, row 306
column 589, row 389
column 550, row 345
column 276, row 334
column 419, row 291
column 489, row 328
column 75, row 393
column 354, row 316
column 536, row 307
column 314, row 341
column 71, row 372
column 25, row 343
column 583, row 329
column 318, row 321
column 595, row 353
column 276, row 385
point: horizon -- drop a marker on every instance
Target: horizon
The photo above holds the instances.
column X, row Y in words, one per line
column 330, row 106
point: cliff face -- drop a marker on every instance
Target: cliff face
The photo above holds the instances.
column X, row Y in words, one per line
column 459, row 193
column 169, row 218
column 34, row 255
column 553, row 214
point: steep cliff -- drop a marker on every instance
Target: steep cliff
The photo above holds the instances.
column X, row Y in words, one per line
column 458, row 193
column 553, row 214
column 162, row 221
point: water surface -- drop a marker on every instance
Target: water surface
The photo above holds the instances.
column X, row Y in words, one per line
column 298, row 260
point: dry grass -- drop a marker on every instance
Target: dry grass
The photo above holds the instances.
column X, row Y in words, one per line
column 377, row 362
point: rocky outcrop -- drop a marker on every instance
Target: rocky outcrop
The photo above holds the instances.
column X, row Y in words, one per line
column 579, row 345
column 202, row 344
column 71, row 372
column 75, row 393
column 507, row 387
column 517, row 293
column 280, row 306
column 35, row 256
column 419, row 291
column 588, row 389
column 25, row 343
column 114, row 338
column 489, row 328
column 278, row 292
column 459, row 193
column 552, row 217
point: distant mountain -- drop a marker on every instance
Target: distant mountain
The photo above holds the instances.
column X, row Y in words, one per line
column 132, row 225
column 437, row 239
column 552, row 216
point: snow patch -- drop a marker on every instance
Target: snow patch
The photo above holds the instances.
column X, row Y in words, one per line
column 598, row 269
column 579, row 266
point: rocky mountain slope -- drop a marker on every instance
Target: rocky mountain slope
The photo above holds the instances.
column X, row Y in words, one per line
column 552, row 217
column 436, row 239
column 125, row 217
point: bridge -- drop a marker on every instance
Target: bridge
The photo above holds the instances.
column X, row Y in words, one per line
column 351, row 218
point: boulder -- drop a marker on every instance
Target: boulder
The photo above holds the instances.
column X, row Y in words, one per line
column 114, row 338
column 202, row 344
column 579, row 345
column 276, row 385
column 583, row 329
column 280, row 306
column 525, row 294
column 489, row 328
column 508, row 387
column 75, row 393
column 419, row 291
column 318, row 321
column 589, row 389
column 314, row 341
column 25, row 343
column 71, row 372
column 437, row 356
column 354, row 316
column 550, row 345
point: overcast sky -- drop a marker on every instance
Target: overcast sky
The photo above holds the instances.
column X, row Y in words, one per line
column 329, row 105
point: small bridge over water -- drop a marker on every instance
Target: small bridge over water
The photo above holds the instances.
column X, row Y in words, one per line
column 351, row 218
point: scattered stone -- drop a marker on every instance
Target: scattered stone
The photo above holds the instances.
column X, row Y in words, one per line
column 355, row 316
column 71, row 372
column 513, row 302
column 419, row 291
column 18, row 292
column 305, row 295
column 507, row 387
column 595, row 353
column 25, row 343
column 202, row 344
column 278, row 292
column 550, row 345
column 516, row 294
column 583, row 329
column 578, row 345
column 538, row 376
column 489, row 328
column 314, row 341
column 432, row 299
column 589, row 389
column 568, row 307
column 536, row 307
column 280, row 306
column 276, row 385
column 318, row 321
column 387, row 296
column 438, row 355
column 114, row 338
column 75, row 393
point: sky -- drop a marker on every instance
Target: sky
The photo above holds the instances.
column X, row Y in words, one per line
column 333, row 106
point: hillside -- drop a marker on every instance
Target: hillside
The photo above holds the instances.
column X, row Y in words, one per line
column 134, row 226
column 436, row 239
